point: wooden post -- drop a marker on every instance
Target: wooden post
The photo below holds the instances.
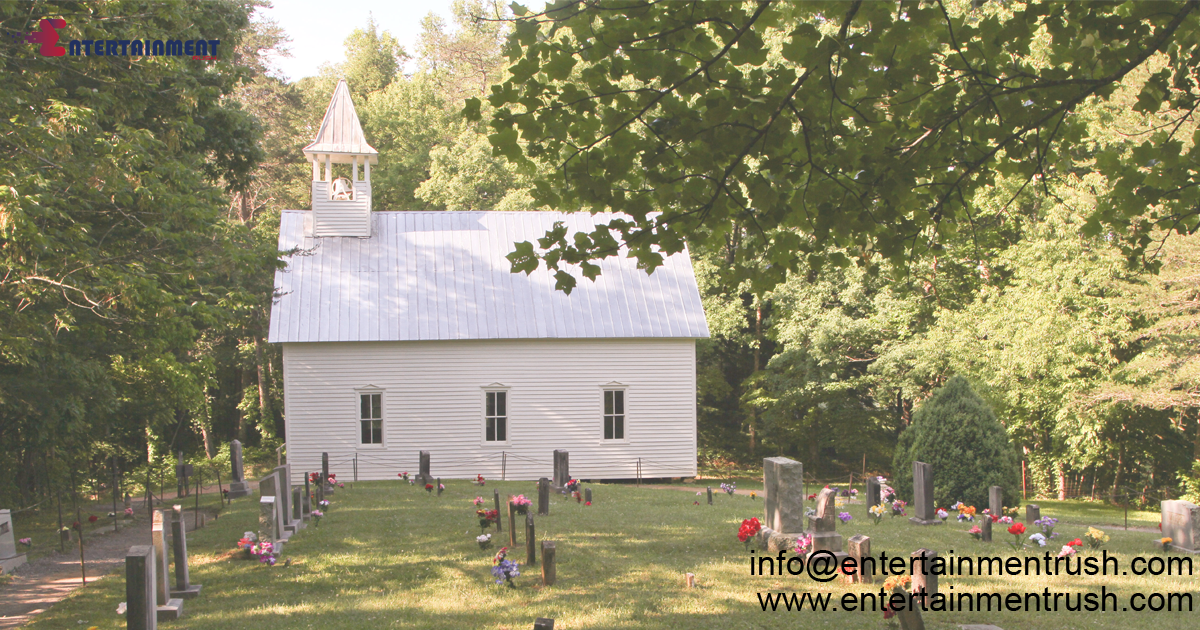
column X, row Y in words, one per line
column 710, row 495
column 196, row 511
column 116, row 492
column 220, row 489
column 639, row 472
column 548, row 573
column 543, row 497
column 512, row 525
column 530, row 541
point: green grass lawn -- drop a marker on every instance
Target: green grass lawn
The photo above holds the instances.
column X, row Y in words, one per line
column 389, row 555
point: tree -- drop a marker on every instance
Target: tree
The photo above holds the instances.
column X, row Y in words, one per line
column 956, row 432
column 833, row 130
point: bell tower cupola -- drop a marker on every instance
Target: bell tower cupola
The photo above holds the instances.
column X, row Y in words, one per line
column 341, row 206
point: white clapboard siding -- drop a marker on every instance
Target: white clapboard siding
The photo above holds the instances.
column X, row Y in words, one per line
column 341, row 217
column 433, row 396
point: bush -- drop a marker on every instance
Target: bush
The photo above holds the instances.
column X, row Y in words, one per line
column 958, row 434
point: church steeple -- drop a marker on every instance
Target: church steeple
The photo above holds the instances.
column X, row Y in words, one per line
column 341, row 207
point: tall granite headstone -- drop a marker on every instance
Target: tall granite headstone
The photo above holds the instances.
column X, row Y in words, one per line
column 238, row 487
column 923, row 495
column 543, row 497
column 824, row 523
column 423, row 474
column 326, row 487
column 269, row 487
column 1181, row 523
column 184, row 589
column 562, row 470
column 168, row 607
column 140, row 610
column 284, row 492
column 783, row 494
column 996, row 500
column 873, row 497
column 9, row 558
column 306, row 500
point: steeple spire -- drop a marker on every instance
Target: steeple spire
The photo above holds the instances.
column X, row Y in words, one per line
column 342, row 206
column 341, row 135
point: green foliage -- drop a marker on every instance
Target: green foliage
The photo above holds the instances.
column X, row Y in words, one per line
column 834, row 129
column 956, row 432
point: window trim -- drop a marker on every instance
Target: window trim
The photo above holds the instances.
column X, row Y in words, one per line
column 483, row 417
column 370, row 390
column 608, row 387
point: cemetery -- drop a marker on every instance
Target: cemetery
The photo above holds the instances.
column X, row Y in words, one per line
column 600, row 315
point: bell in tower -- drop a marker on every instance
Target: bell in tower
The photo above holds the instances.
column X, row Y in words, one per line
column 341, row 206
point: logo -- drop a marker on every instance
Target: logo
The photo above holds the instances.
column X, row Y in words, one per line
column 47, row 38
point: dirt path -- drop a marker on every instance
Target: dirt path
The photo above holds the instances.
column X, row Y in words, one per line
column 40, row 584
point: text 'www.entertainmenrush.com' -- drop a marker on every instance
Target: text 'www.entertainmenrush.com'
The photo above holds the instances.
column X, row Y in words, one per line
column 825, row 566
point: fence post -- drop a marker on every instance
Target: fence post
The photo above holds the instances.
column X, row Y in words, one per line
column 503, row 465
column 116, row 490
column 356, row 466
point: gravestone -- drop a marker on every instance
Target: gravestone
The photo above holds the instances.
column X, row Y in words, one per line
column 562, row 470
column 327, row 488
column 298, row 515
column 985, row 528
column 541, row 623
column 140, row 613
column 783, row 494
column 268, row 521
column 439, row 486
column 496, row 495
column 859, row 547
column 269, row 487
column 909, row 616
column 587, row 495
column 1033, row 512
column 923, row 495
column 1181, row 523
column 530, row 542
column 548, row 570
column 996, row 500
column 689, row 580
column 873, row 497
column 184, row 589
column 284, row 492
column 423, row 476
column 824, row 523
column 238, row 487
column 306, row 500
column 543, row 506
column 168, row 608
column 9, row 558
column 923, row 576
column 709, row 495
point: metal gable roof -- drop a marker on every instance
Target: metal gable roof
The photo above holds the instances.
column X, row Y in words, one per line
column 341, row 132
column 444, row 275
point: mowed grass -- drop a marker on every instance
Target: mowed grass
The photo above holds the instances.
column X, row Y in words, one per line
column 389, row 555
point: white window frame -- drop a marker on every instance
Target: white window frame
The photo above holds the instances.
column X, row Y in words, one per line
column 495, row 388
column 370, row 390
column 604, row 389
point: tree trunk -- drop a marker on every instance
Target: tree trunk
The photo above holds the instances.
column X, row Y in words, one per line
column 210, row 450
column 264, row 400
column 1117, row 479
column 245, row 210
column 244, row 377
column 1062, row 483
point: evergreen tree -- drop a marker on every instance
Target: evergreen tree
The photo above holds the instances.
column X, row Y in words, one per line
column 956, row 432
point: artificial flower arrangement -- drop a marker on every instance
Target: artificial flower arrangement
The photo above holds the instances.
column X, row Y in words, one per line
column 877, row 512
column 247, row 542
column 441, row 489
column 729, row 488
column 1047, row 524
column 898, row 507
column 749, row 529
column 479, row 480
column 324, row 503
column 316, row 517
column 265, row 552
column 965, row 512
column 840, row 501
column 975, row 532
column 811, row 497
column 128, row 512
column 1069, row 549
column 1040, row 539
column 341, row 484
column 942, row 514
column 803, row 544
column 889, row 586
column 487, row 517
column 403, row 475
column 1166, row 543
column 93, row 518
column 1018, row 532
column 1011, row 511
column 844, row 517
column 429, row 488
column 753, row 495
column 484, row 540
column 573, row 485
column 28, row 542
column 478, row 501
column 504, row 569
column 520, row 504
column 1003, row 520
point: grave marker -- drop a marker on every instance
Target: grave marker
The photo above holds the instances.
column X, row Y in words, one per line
column 530, row 542
column 327, row 488
column 824, row 523
column 909, row 616
column 238, row 487
column 297, row 508
column 496, row 495
column 689, row 580
column 184, row 589
column 562, row 470
column 859, row 547
column 587, row 495
column 923, row 495
column 783, row 494
column 709, row 495
column 269, row 486
column 284, row 494
column 923, row 576
column 423, row 476
column 1033, row 512
column 985, row 528
column 439, row 486
column 140, row 613
column 873, row 497
column 167, row 608
column 543, row 506
column 1181, row 523
column 9, row 558
column 996, row 500
column 268, row 520
column 306, row 500
column 541, row 623
column 548, row 572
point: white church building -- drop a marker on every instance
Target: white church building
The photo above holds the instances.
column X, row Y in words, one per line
column 407, row 331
